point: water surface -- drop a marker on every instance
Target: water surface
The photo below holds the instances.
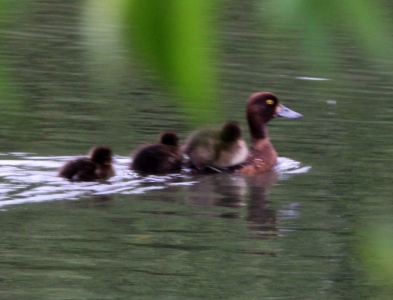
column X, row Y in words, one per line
column 294, row 233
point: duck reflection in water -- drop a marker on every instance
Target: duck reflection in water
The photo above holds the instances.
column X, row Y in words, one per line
column 230, row 190
column 261, row 219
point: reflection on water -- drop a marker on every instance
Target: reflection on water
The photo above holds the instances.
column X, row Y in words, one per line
column 186, row 234
column 27, row 178
column 234, row 191
column 196, row 229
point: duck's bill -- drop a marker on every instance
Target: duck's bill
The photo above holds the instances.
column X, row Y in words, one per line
column 285, row 112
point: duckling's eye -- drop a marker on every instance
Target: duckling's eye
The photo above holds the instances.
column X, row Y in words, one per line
column 269, row 102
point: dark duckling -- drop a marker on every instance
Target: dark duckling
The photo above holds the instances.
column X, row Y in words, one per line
column 163, row 157
column 97, row 166
column 261, row 108
column 216, row 148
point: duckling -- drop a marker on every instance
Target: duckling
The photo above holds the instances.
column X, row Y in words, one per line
column 261, row 108
column 216, row 148
column 160, row 158
column 97, row 166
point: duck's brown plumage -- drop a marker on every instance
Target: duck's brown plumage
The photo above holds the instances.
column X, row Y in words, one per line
column 261, row 108
column 97, row 166
column 160, row 158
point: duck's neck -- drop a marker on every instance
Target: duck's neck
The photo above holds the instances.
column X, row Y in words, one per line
column 258, row 129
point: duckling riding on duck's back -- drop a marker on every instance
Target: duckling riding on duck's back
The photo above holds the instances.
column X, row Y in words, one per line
column 261, row 108
column 225, row 151
column 216, row 148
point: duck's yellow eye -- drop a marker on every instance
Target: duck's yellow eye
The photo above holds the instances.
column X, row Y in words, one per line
column 270, row 102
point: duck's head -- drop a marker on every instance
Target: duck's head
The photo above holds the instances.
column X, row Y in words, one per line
column 169, row 138
column 261, row 108
column 230, row 132
column 264, row 106
column 101, row 155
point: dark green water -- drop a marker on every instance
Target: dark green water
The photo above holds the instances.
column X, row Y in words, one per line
column 291, row 234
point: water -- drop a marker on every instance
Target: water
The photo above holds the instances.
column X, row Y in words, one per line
column 27, row 178
column 136, row 230
column 295, row 233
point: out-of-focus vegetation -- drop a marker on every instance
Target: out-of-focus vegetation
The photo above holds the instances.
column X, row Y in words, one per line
column 3, row 84
column 376, row 246
column 176, row 39
column 319, row 23
column 100, row 30
column 11, row 112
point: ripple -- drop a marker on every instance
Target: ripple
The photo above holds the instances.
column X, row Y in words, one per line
column 286, row 167
column 312, row 78
column 28, row 178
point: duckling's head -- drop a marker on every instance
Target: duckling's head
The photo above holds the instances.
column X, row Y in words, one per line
column 169, row 138
column 230, row 132
column 101, row 155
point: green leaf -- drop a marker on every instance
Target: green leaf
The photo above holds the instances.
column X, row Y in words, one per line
column 175, row 38
column 318, row 22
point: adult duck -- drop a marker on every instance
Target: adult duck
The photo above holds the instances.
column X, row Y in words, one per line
column 215, row 149
column 160, row 158
column 261, row 108
column 97, row 166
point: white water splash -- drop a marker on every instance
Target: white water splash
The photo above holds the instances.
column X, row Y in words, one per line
column 286, row 167
column 27, row 178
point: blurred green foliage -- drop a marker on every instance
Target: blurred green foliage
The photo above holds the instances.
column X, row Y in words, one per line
column 176, row 39
column 11, row 112
column 319, row 22
column 376, row 248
